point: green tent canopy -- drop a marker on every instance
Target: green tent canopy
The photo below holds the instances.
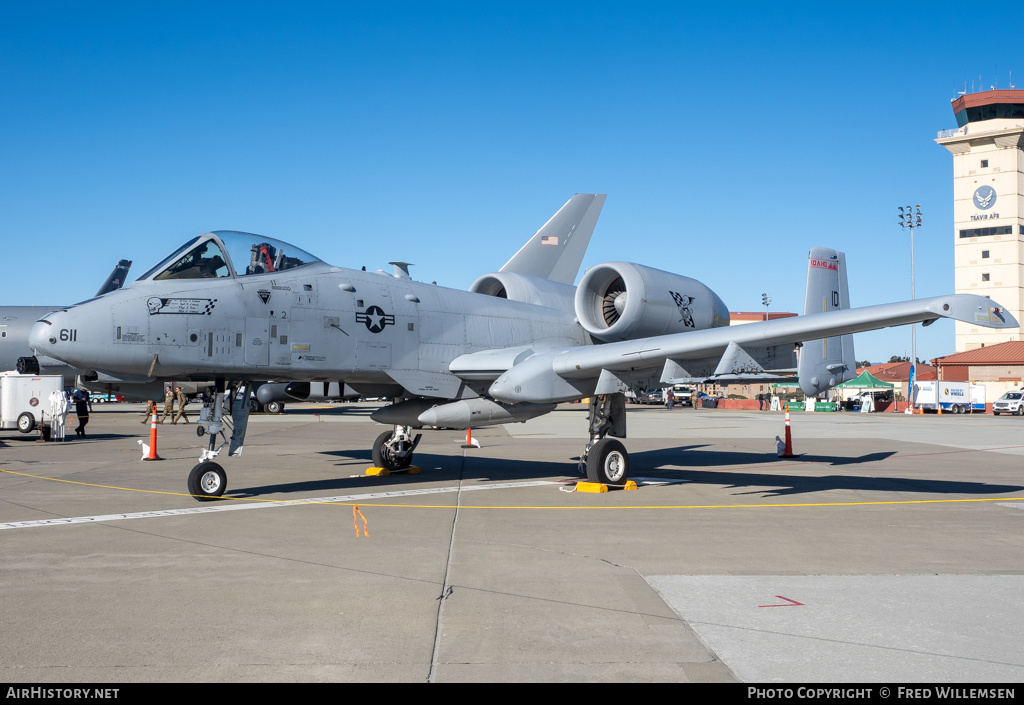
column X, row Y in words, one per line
column 865, row 380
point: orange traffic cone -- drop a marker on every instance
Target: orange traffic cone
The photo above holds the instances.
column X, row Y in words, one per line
column 152, row 439
column 470, row 443
column 788, row 452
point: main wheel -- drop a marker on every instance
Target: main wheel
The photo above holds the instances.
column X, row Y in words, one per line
column 274, row 407
column 26, row 422
column 207, row 481
column 385, row 455
column 608, row 462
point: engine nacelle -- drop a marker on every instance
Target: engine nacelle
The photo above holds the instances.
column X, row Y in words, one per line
column 523, row 287
column 624, row 301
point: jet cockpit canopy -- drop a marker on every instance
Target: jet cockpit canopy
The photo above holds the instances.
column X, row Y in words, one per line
column 227, row 253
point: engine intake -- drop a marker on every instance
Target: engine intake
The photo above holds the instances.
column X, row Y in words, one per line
column 522, row 287
column 624, row 301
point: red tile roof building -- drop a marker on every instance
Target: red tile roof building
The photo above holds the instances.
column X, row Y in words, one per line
column 999, row 367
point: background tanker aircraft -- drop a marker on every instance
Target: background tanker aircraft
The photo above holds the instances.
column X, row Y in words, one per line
column 16, row 323
column 237, row 307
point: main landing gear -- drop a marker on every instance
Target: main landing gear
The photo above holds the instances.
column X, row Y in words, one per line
column 393, row 449
column 605, row 460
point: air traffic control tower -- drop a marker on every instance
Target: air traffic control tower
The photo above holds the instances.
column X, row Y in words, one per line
column 988, row 206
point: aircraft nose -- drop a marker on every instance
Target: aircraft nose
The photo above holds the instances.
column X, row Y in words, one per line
column 38, row 337
column 45, row 335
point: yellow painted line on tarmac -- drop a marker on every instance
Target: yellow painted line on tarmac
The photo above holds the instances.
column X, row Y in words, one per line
column 123, row 489
column 368, row 502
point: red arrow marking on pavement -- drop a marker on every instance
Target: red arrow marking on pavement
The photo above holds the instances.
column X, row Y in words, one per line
column 791, row 603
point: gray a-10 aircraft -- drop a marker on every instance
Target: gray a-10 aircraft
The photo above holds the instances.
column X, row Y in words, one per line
column 238, row 307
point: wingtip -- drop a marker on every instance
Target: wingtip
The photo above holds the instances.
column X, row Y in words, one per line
column 976, row 310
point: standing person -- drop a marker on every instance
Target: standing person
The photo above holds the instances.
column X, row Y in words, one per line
column 670, row 399
column 182, row 401
column 150, row 410
column 83, row 405
column 168, row 404
column 760, row 402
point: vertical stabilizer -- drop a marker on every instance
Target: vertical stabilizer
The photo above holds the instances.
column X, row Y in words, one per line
column 117, row 278
column 830, row 361
column 556, row 251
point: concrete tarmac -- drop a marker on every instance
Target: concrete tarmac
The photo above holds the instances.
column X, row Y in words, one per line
column 890, row 551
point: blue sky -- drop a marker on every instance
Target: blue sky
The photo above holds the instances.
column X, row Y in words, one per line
column 445, row 133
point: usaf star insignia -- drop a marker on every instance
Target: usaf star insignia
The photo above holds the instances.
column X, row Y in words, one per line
column 375, row 319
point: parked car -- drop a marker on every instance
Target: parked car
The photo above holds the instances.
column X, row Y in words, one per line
column 1009, row 403
column 652, row 396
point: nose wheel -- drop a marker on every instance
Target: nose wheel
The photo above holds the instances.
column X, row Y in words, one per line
column 207, row 481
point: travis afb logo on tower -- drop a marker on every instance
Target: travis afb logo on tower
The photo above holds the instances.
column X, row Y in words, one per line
column 984, row 198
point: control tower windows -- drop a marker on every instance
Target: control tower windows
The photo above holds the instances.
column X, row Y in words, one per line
column 980, row 232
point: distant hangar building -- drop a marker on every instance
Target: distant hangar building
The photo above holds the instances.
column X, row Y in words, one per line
column 988, row 207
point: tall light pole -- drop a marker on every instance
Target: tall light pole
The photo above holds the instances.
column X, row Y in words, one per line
column 766, row 301
column 909, row 218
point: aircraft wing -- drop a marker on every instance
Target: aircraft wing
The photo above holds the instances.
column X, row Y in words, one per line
column 563, row 374
column 556, row 251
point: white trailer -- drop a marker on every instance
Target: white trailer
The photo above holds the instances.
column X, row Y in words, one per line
column 24, row 399
column 951, row 397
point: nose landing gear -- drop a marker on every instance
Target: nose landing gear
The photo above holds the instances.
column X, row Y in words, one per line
column 207, row 480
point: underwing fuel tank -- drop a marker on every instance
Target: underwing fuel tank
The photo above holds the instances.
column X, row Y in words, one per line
column 467, row 413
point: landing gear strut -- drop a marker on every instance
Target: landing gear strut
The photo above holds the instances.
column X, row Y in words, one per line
column 605, row 460
column 207, row 480
column 393, row 449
